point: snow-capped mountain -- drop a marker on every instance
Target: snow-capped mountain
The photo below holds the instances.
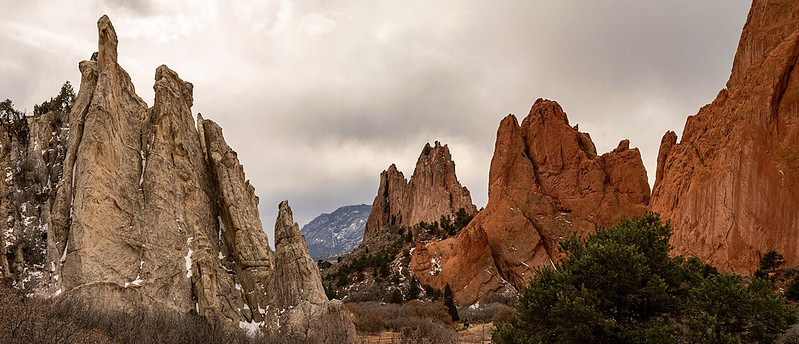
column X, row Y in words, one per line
column 336, row 234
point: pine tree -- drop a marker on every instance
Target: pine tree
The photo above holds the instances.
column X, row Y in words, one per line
column 450, row 303
column 413, row 290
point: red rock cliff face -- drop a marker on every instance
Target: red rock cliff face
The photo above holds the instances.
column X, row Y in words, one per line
column 731, row 185
column 432, row 192
column 546, row 182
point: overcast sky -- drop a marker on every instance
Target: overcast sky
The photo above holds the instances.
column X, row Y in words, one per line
column 318, row 97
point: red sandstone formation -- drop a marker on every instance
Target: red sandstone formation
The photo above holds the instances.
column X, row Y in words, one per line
column 731, row 185
column 432, row 192
column 546, row 182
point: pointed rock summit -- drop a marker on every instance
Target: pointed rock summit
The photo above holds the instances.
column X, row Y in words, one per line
column 731, row 184
column 432, row 192
column 153, row 210
column 546, row 182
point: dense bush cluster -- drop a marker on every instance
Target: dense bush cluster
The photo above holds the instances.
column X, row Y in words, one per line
column 619, row 285
column 415, row 321
column 446, row 226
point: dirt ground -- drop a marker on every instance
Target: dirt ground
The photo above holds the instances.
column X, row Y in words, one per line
column 475, row 334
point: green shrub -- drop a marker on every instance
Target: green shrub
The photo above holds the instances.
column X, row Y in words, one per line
column 619, row 285
column 450, row 303
column 792, row 293
column 771, row 261
column 61, row 103
column 413, row 289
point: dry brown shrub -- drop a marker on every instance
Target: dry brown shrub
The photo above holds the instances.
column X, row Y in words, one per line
column 436, row 311
column 413, row 322
column 425, row 331
column 66, row 320
column 485, row 313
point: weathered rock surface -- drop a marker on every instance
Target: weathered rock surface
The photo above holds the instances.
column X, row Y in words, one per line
column 432, row 192
column 30, row 167
column 152, row 210
column 546, row 182
column 301, row 298
column 731, row 184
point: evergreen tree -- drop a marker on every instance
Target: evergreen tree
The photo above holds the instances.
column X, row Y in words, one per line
column 771, row 261
column 413, row 290
column 450, row 303
column 396, row 296
column 792, row 293
column 61, row 103
column 619, row 285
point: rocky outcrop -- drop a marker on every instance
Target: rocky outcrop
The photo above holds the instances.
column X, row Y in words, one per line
column 153, row 210
column 301, row 300
column 731, row 184
column 546, row 182
column 432, row 192
column 33, row 150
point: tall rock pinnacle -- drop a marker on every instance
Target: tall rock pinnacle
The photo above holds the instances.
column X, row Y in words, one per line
column 432, row 192
column 546, row 182
column 107, row 55
column 153, row 210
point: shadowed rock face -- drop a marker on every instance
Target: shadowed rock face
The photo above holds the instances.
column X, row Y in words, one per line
column 546, row 182
column 432, row 192
column 731, row 184
column 153, row 210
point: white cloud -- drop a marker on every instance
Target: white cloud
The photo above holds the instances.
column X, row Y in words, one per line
column 315, row 24
column 264, row 16
column 318, row 97
column 166, row 21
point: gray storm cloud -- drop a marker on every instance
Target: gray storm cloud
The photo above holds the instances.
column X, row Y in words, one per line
column 318, row 97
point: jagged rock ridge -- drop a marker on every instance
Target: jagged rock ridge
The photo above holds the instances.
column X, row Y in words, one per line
column 546, row 182
column 336, row 234
column 432, row 192
column 731, row 184
column 152, row 211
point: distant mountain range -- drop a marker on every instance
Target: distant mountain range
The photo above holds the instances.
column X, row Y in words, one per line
column 336, row 234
